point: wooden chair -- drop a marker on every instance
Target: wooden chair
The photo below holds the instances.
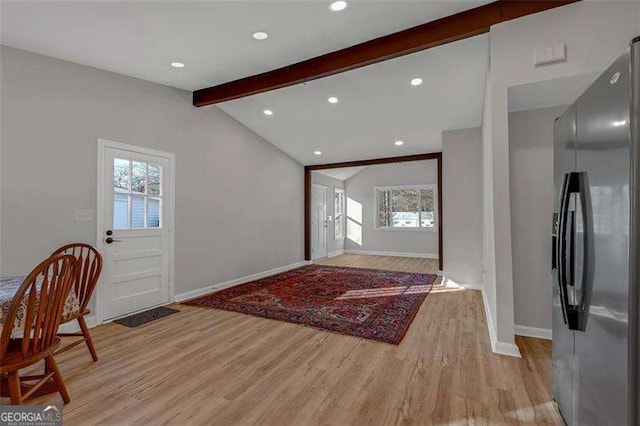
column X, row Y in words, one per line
column 89, row 268
column 38, row 306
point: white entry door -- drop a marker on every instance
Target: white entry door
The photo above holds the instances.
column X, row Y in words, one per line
column 319, row 222
column 134, row 233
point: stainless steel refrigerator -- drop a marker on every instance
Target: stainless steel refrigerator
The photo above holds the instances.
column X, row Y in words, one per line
column 596, row 237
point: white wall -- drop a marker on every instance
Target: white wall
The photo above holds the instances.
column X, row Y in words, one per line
column 488, row 241
column 360, row 189
column 531, row 179
column 595, row 34
column 239, row 200
column 333, row 246
column 462, row 205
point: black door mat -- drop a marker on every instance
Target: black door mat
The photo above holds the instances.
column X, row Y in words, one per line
column 146, row 316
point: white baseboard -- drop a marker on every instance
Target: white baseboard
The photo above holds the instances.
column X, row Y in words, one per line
column 479, row 287
column 335, row 253
column 538, row 333
column 509, row 349
column 72, row 326
column 215, row 287
column 502, row 348
column 393, row 253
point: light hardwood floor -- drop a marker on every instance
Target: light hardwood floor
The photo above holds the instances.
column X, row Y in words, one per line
column 205, row 366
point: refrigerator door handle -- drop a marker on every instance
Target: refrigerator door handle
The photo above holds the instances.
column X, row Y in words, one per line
column 588, row 261
column 575, row 315
column 571, row 280
column 561, row 248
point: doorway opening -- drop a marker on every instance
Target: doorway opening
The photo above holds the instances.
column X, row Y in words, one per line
column 427, row 207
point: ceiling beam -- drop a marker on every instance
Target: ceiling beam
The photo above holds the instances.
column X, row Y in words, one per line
column 452, row 28
column 372, row 162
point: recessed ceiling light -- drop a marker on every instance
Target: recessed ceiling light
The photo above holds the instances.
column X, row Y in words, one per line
column 268, row 112
column 619, row 123
column 416, row 82
column 398, row 143
column 337, row 6
column 260, row 35
column 317, row 152
column 333, row 100
column 177, row 64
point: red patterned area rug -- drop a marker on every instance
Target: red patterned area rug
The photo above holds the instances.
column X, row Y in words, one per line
column 368, row 303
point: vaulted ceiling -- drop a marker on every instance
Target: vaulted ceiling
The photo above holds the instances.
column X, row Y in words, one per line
column 376, row 107
column 376, row 104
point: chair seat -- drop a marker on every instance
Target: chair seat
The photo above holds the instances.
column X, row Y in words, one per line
column 13, row 359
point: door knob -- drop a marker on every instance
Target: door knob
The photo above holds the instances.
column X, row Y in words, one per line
column 111, row 240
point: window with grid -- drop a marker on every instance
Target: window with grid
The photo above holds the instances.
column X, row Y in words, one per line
column 137, row 194
column 408, row 207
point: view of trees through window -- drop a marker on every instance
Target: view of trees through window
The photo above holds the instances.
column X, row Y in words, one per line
column 405, row 207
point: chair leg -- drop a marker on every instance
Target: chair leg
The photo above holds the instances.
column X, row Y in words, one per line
column 14, row 388
column 57, row 377
column 87, row 338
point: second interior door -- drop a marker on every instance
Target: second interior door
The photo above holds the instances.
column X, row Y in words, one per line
column 319, row 222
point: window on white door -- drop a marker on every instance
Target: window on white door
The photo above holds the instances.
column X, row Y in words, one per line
column 411, row 207
column 338, row 212
column 137, row 195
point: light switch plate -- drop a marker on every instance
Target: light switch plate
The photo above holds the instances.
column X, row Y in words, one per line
column 550, row 54
column 83, row 215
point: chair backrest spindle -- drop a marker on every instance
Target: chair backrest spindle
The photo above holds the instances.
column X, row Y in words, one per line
column 89, row 268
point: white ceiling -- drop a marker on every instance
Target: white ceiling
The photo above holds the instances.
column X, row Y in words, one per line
column 343, row 173
column 376, row 106
column 548, row 93
column 213, row 38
